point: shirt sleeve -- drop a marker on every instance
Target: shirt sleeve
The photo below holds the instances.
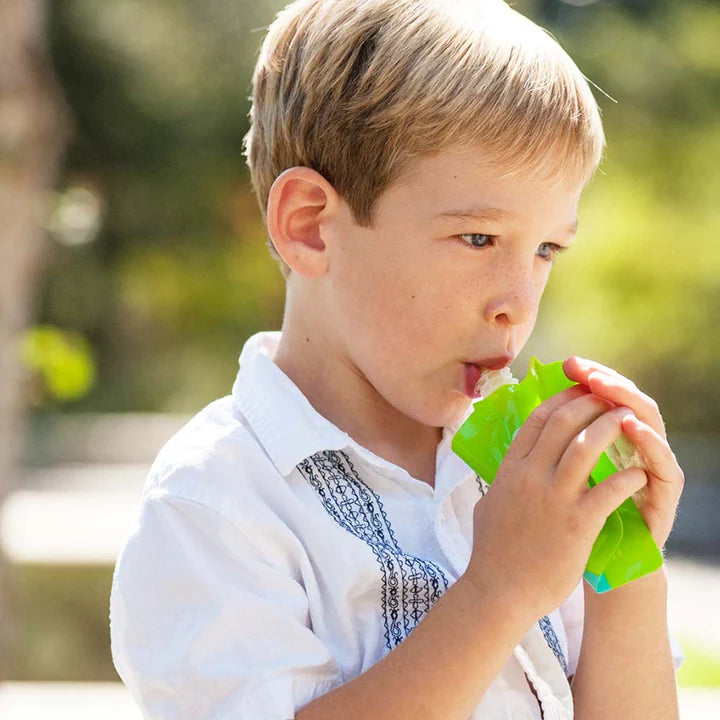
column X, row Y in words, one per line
column 572, row 612
column 203, row 626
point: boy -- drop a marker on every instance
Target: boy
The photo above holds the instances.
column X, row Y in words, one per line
column 310, row 547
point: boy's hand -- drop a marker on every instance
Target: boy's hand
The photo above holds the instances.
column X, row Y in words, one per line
column 535, row 528
column 658, row 500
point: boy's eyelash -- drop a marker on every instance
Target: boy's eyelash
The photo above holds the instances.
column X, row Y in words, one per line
column 556, row 249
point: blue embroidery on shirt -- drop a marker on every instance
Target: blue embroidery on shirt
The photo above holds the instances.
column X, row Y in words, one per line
column 482, row 485
column 410, row 585
column 552, row 641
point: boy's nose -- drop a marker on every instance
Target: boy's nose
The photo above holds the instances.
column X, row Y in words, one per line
column 515, row 304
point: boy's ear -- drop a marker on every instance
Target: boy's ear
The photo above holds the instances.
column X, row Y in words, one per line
column 296, row 204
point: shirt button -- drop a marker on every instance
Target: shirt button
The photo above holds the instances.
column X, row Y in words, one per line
column 443, row 516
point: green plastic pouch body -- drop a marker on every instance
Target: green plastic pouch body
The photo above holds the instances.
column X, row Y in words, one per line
column 625, row 549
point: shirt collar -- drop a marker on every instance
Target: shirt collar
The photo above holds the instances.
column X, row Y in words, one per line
column 286, row 424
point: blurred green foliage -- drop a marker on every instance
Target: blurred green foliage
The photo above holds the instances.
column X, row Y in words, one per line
column 701, row 667
column 60, row 361
column 178, row 275
column 61, row 623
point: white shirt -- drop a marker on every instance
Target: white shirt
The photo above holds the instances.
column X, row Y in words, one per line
column 274, row 559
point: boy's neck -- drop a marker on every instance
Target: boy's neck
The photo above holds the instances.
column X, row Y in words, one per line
column 343, row 396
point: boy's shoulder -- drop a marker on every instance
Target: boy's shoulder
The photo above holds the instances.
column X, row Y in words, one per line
column 238, row 455
column 214, row 459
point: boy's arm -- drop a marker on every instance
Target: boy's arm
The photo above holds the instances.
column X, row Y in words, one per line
column 625, row 668
column 447, row 663
column 441, row 670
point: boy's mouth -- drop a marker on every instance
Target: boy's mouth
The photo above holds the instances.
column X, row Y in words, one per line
column 474, row 370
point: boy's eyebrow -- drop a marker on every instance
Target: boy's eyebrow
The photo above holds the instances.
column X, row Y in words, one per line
column 490, row 213
column 473, row 213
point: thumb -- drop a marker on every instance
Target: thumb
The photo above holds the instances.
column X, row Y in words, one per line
column 609, row 494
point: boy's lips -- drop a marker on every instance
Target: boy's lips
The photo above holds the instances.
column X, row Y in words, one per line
column 474, row 369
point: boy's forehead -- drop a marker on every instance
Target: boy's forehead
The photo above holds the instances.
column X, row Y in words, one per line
column 463, row 184
column 450, row 161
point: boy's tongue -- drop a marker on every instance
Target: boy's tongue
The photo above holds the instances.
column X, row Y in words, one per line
column 472, row 380
column 474, row 371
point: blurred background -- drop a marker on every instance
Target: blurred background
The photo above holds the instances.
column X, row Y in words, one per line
column 133, row 266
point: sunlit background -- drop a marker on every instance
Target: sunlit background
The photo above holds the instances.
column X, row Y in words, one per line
column 151, row 270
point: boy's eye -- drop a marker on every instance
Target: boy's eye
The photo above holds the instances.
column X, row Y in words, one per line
column 477, row 240
column 480, row 240
column 555, row 249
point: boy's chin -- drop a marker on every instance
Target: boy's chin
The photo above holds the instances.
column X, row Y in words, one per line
column 462, row 409
column 451, row 413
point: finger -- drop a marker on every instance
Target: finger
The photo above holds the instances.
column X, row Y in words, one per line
column 622, row 391
column 578, row 368
column 584, row 450
column 530, row 431
column 617, row 388
column 598, row 502
column 659, row 459
column 564, row 424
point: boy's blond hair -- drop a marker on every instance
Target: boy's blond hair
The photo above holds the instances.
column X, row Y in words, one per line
column 357, row 89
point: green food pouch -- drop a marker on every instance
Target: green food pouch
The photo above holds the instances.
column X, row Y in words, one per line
column 625, row 549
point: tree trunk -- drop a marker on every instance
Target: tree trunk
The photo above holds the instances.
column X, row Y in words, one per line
column 35, row 126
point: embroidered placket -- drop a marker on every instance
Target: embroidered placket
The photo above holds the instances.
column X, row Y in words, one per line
column 410, row 585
